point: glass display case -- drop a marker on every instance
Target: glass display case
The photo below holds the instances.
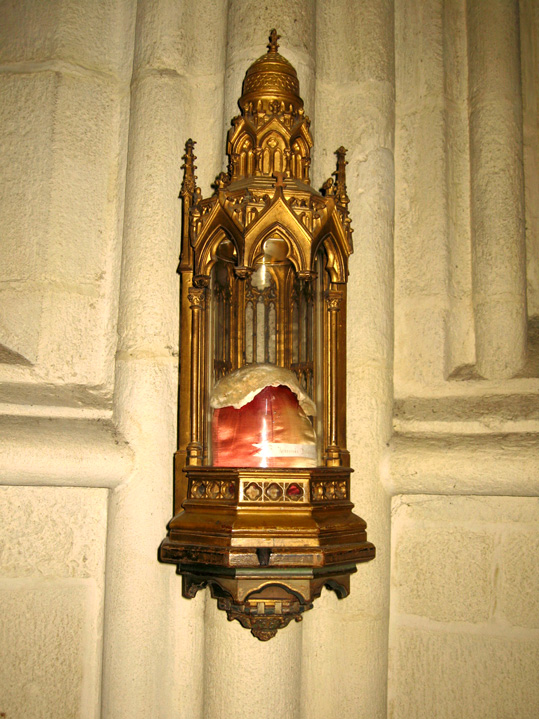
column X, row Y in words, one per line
column 262, row 475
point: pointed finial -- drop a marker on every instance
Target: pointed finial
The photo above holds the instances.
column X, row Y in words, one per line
column 340, row 175
column 341, row 196
column 273, row 38
column 189, row 178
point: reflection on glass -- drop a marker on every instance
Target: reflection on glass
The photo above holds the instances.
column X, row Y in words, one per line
column 249, row 318
column 272, row 334
column 270, row 317
column 267, row 317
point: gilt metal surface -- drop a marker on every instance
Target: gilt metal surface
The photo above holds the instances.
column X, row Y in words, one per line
column 265, row 541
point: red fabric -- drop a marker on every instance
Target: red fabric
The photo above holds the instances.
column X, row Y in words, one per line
column 274, row 415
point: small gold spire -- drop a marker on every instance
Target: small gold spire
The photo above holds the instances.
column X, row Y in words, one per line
column 340, row 176
column 189, row 184
column 273, row 44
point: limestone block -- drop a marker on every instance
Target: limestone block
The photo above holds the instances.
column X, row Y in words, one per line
column 29, row 30
column 61, row 195
column 76, row 346
column 421, row 199
column 47, row 645
column 477, row 464
column 52, row 557
column 503, row 511
column 419, row 70
column 519, row 575
column 52, row 532
column 468, row 414
column 421, row 341
column 443, row 572
column 60, row 451
column 26, row 114
column 20, row 313
column 454, row 675
column 347, row 54
column 89, row 117
column 26, row 128
column 95, row 33
column 186, row 38
column 466, row 560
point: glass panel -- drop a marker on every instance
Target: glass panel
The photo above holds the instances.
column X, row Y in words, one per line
column 249, row 333
column 272, row 335
column 319, row 390
column 265, row 318
column 295, row 332
column 260, row 331
column 221, row 293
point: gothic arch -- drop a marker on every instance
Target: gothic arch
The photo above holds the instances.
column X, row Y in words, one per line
column 278, row 231
column 208, row 251
column 337, row 259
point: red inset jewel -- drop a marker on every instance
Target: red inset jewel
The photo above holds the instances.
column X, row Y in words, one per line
column 294, row 491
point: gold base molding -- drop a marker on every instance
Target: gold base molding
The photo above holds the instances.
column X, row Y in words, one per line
column 266, row 600
column 266, row 541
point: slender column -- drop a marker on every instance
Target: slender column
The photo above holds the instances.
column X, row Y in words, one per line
column 461, row 334
column 333, row 303
column 421, row 207
column 197, row 298
column 185, row 270
column 497, row 191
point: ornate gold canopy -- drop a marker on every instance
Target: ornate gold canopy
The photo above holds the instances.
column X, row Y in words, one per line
column 267, row 192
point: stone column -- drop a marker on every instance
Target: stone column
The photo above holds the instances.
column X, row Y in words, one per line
column 344, row 667
column 421, row 222
column 242, row 676
column 497, row 192
column 529, row 39
column 460, row 330
column 153, row 638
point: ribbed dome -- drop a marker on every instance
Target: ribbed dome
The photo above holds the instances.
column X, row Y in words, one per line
column 271, row 77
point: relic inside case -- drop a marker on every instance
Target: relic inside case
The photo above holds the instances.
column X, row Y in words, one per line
column 260, row 419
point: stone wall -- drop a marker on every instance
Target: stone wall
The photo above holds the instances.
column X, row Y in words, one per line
column 464, row 620
column 437, row 103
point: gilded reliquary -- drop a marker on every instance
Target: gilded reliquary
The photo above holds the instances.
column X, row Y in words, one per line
column 262, row 475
